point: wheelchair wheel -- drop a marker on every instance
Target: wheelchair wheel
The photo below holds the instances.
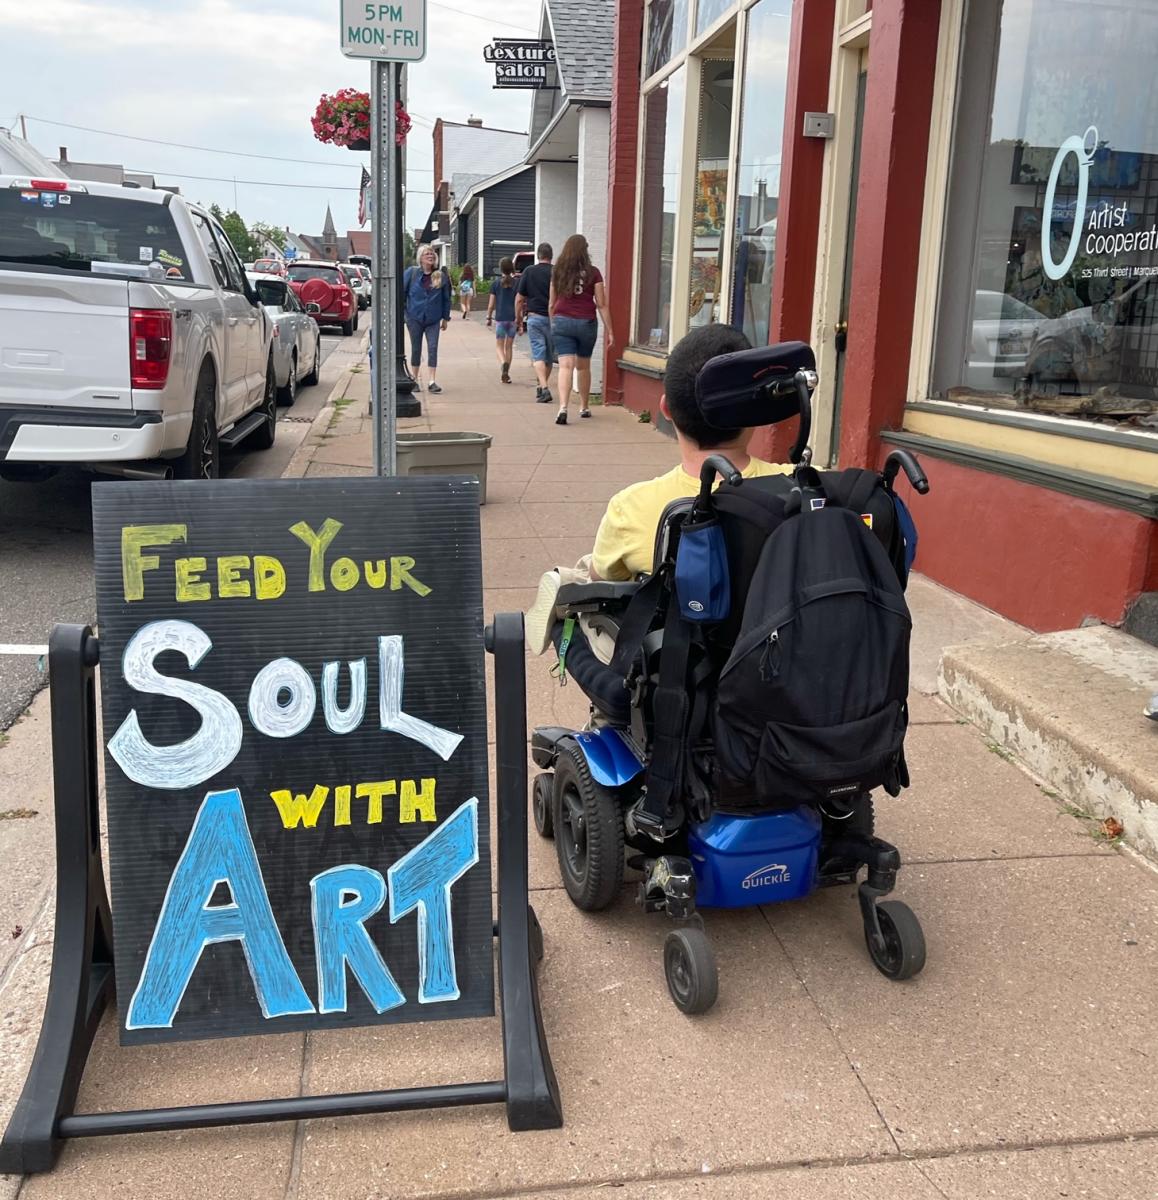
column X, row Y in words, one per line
column 690, row 968
column 588, row 833
column 541, row 805
column 903, row 954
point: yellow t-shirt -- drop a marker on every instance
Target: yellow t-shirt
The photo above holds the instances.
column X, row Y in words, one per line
column 626, row 537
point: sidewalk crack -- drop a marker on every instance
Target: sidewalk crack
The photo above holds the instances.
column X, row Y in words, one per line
column 293, row 1183
column 832, row 1033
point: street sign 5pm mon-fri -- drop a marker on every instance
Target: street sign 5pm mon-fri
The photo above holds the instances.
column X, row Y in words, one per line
column 391, row 30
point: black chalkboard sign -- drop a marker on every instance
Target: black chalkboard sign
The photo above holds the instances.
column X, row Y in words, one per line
column 295, row 753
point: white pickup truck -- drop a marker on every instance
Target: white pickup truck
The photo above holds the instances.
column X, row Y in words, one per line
column 131, row 341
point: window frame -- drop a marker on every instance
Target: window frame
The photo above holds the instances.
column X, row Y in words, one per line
column 695, row 52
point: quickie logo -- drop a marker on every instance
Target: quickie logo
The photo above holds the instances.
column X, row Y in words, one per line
column 1083, row 149
column 768, row 876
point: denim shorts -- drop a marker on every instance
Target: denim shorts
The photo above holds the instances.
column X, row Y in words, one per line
column 574, row 336
column 506, row 329
column 539, row 330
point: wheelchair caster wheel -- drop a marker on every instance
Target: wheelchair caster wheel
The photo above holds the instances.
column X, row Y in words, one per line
column 541, row 805
column 903, row 952
column 690, row 968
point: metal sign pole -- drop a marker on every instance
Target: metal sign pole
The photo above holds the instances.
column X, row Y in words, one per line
column 385, row 269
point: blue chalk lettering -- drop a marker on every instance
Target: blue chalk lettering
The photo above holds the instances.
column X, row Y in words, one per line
column 422, row 879
column 344, row 898
column 219, row 850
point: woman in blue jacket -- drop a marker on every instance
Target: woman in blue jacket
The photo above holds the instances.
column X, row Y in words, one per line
column 427, row 292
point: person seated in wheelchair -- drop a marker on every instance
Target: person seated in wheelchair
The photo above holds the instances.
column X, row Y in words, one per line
column 747, row 663
column 626, row 537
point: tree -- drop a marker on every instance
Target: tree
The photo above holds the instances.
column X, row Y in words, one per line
column 273, row 233
column 409, row 249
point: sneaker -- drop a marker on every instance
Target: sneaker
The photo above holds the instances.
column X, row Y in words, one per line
column 1151, row 709
column 417, row 385
column 585, row 412
column 433, row 388
column 542, row 395
column 561, row 419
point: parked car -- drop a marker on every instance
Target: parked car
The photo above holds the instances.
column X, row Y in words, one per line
column 130, row 339
column 1003, row 329
column 324, row 284
column 297, row 340
column 368, row 280
column 358, row 282
column 269, row 266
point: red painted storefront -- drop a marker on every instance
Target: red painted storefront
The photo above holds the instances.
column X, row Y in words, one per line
column 1038, row 555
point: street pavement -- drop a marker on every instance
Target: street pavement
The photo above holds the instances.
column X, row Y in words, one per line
column 46, row 537
column 1019, row 1064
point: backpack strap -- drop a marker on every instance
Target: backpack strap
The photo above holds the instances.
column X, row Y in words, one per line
column 665, row 769
column 865, row 483
column 636, row 623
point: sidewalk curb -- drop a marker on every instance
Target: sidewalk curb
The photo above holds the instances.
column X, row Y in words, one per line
column 303, row 455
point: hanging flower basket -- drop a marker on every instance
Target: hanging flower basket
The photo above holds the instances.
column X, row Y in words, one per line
column 344, row 120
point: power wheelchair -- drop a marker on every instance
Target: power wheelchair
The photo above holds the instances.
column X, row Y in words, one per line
column 716, row 843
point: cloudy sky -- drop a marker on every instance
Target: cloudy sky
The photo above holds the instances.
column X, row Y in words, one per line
column 242, row 76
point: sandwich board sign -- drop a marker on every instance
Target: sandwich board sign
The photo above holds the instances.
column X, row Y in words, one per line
column 294, row 713
column 390, row 30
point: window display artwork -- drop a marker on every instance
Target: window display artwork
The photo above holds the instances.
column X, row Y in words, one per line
column 1061, row 316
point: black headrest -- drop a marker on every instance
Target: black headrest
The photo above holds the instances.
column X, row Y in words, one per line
column 734, row 392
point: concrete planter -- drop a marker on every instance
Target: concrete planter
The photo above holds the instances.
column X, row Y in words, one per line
column 445, row 454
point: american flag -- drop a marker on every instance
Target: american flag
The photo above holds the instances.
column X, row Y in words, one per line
column 364, row 197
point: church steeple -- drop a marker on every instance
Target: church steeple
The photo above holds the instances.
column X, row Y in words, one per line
column 330, row 235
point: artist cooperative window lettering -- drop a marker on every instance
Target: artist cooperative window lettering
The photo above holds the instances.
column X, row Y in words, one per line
column 1061, row 315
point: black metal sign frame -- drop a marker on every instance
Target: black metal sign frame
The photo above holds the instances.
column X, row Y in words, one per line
column 82, row 984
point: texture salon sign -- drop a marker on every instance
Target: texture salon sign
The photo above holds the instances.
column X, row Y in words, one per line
column 296, row 760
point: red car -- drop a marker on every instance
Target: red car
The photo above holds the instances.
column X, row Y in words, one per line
column 325, row 285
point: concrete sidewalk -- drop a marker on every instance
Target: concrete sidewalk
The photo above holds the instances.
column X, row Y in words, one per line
column 1020, row 1063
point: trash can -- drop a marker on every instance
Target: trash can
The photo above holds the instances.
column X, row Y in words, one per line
column 445, row 454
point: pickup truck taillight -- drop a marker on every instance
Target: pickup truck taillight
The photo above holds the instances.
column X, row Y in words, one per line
column 150, row 339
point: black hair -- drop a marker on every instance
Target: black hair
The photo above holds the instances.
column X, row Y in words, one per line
column 684, row 363
column 545, row 252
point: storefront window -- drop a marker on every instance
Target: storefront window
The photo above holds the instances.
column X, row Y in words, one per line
column 758, row 167
column 708, row 12
column 667, row 32
column 712, row 166
column 1059, row 244
column 662, row 144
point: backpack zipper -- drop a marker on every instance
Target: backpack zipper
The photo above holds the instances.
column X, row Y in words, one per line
column 770, row 659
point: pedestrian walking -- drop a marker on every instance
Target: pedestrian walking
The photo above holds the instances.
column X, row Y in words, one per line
column 427, row 292
column 501, row 310
column 466, row 290
column 532, row 301
column 577, row 292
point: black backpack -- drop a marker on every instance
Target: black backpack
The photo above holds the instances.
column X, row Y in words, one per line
column 811, row 702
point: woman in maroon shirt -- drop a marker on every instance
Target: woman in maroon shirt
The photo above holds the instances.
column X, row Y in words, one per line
column 576, row 292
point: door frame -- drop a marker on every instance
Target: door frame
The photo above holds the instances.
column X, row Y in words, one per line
column 850, row 45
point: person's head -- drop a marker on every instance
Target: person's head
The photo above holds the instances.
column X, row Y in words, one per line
column 468, row 273
column 427, row 259
column 684, row 363
column 507, row 270
column 571, row 265
column 545, row 252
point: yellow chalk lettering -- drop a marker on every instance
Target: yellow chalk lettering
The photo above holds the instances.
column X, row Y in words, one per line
column 400, row 574
column 269, row 577
column 189, row 584
column 318, row 544
column 134, row 564
column 417, row 805
column 298, row 809
column 230, row 585
column 342, row 804
column 344, row 574
column 374, row 793
column 375, row 573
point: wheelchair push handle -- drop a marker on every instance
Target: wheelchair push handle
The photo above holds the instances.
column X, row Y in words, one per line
column 713, row 465
column 899, row 459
